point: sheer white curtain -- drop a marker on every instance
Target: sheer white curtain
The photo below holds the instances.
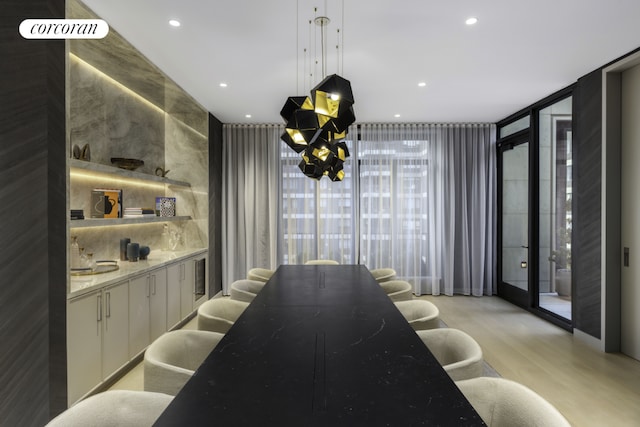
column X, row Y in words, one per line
column 427, row 203
column 318, row 217
column 251, row 180
column 419, row 198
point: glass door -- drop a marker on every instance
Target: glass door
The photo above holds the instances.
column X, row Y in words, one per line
column 514, row 227
column 554, row 208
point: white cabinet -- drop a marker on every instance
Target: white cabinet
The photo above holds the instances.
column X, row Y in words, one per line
column 187, row 281
column 84, row 344
column 97, row 338
column 174, row 275
column 158, row 303
column 139, row 293
column 115, row 325
column 147, row 309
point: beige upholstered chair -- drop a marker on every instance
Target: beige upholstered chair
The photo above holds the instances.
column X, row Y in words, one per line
column 383, row 274
column 504, row 403
column 260, row 274
column 321, row 262
column 458, row 353
column 219, row 314
column 398, row 290
column 114, row 408
column 171, row 359
column 245, row 289
column 420, row 314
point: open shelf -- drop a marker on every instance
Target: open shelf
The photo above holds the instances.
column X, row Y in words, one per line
column 122, row 173
column 102, row 222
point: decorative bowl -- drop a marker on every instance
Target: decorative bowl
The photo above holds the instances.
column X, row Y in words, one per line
column 128, row 164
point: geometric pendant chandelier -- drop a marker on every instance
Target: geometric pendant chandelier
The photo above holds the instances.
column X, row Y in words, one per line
column 317, row 125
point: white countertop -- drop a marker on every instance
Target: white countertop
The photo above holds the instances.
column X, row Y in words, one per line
column 79, row 285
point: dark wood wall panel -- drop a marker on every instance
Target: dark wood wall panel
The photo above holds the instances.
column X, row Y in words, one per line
column 32, row 219
column 587, row 183
column 215, row 205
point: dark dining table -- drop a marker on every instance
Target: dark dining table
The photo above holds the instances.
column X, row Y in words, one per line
column 320, row 345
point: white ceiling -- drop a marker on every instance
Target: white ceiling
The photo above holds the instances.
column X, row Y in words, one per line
column 518, row 52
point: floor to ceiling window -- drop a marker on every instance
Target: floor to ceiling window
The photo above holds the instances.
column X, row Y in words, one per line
column 419, row 198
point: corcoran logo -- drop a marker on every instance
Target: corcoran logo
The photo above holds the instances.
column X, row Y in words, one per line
column 64, row 29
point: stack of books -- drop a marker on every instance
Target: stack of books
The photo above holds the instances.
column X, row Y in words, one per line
column 77, row 213
column 138, row 212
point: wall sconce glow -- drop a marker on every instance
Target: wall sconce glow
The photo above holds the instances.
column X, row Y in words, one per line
column 174, row 23
column 471, row 21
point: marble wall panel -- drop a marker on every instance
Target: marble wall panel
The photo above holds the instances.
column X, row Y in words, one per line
column 113, row 120
column 187, row 159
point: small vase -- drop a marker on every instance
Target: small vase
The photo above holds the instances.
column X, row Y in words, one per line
column 133, row 252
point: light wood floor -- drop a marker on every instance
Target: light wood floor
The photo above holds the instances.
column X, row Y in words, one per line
column 589, row 387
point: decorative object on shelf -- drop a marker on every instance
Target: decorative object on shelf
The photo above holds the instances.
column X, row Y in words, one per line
column 165, row 206
column 106, row 203
column 74, row 253
column 164, row 238
column 161, row 172
column 136, row 212
column 77, row 214
column 102, row 266
column 144, row 252
column 133, row 252
column 316, row 126
column 76, row 152
column 86, row 153
column 123, row 248
column 128, row 164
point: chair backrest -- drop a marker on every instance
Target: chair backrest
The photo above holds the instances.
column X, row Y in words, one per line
column 219, row 314
column 505, row 403
column 260, row 274
column 458, row 353
column 420, row 314
column 245, row 289
column 383, row 274
column 172, row 358
column 321, row 262
column 398, row 290
column 124, row 408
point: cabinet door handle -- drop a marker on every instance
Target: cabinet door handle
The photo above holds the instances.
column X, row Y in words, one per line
column 182, row 271
column 148, row 287
column 153, row 292
column 99, row 308
column 108, row 304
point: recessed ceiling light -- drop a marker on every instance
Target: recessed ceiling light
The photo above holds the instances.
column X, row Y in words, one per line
column 248, row 116
column 174, row 22
column 223, row 85
column 422, row 84
column 471, row 21
column 396, row 115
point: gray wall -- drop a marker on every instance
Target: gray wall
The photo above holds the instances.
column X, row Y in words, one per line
column 587, row 181
column 32, row 219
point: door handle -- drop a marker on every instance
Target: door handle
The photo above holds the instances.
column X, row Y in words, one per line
column 108, row 304
column 524, row 247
